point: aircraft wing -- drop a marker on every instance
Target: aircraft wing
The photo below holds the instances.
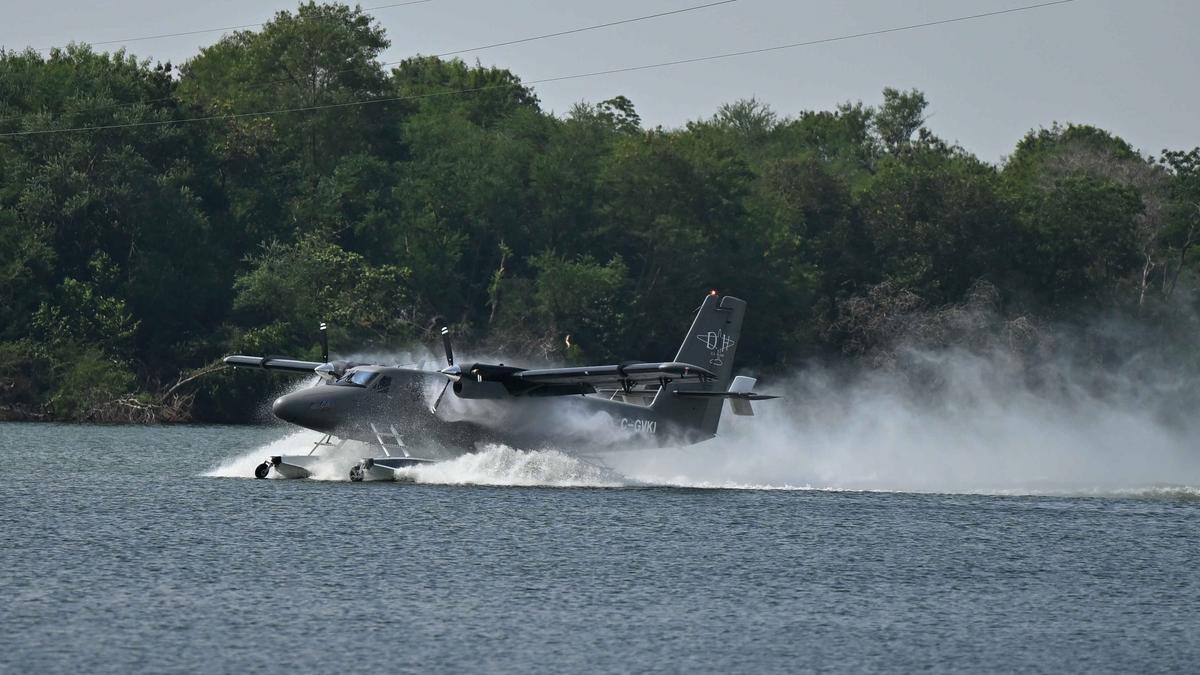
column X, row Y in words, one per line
column 272, row 363
column 629, row 372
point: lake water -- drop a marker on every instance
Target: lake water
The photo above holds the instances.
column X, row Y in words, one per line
column 145, row 548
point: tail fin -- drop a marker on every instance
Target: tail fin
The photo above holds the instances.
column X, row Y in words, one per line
column 710, row 343
column 743, row 386
column 712, row 340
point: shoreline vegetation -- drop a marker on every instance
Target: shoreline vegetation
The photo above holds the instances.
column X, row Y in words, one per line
column 138, row 254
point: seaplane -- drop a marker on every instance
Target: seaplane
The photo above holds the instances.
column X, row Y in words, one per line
column 411, row 416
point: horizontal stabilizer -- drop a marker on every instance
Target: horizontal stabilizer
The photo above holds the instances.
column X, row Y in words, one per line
column 748, row 396
column 739, row 395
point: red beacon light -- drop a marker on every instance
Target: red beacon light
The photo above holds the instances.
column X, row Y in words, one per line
column 713, row 292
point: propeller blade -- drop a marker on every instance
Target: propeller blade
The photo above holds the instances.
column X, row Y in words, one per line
column 324, row 343
column 438, row 400
column 446, row 344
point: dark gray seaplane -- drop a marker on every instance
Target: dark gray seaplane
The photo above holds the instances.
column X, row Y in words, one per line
column 405, row 415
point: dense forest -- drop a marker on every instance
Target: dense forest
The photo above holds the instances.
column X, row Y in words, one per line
column 140, row 250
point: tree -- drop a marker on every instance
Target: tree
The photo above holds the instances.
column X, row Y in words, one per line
column 440, row 192
column 583, row 301
column 667, row 198
column 841, row 139
column 1044, row 159
column 618, row 113
column 289, row 289
column 125, row 194
column 321, row 55
column 936, row 222
column 1081, row 238
column 750, row 120
column 483, row 96
column 463, row 192
column 80, row 315
column 901, row 115
column 813, row 249
column 1180, row 236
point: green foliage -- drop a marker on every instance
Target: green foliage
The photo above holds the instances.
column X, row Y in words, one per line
column 1181, row 235
column 25, row 375
column 1039, row 148
column 619, row 114
column 319, row 55
column 583, row 299
column 292, row 287
column 1096, row 218
column 901, row 115
column 841, row 139
column 749, row 120
column 1083, row 238
column 26, row 258
column 134, row 253
column 81, row 315
column 481, row 96
column 88, row 379
column 935, row 222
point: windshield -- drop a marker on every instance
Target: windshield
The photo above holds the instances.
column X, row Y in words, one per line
column 360, row 378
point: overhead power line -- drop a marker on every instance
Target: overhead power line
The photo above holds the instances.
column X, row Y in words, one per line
column 808, row 43
column 579, row 30
column 222, row 29
column 612, row 71
column 572, row 31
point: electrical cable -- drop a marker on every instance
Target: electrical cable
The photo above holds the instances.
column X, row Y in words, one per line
column 578, row 30
column 544, row 36
column 663, row 64
column 217, row 30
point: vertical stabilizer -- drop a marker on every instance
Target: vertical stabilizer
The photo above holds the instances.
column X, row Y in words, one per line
column 711, row 343
column 713, row 338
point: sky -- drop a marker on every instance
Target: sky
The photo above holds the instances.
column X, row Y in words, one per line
column 1128, row 67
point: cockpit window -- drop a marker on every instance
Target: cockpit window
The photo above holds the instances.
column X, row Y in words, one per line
column 360, row 378
column 383, row 384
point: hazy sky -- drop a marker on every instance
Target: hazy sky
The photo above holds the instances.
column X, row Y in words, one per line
column 1129, row 67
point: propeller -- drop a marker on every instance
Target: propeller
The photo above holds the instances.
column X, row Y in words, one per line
column 328, row 371
column 446, row 344
column 452, row 373
column 324, row 342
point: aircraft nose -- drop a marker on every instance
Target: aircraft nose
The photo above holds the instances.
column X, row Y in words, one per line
column 287, row 408
column 320, row 408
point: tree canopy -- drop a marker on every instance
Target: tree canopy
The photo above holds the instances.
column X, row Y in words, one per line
column 142, row 250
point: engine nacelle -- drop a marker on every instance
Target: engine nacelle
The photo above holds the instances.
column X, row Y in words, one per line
column 470, row 388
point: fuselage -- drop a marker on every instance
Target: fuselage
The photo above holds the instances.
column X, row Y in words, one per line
column 425, row 410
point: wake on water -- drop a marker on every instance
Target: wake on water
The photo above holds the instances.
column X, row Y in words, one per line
column 492, row 465
column 334, row 464
column 743, row 459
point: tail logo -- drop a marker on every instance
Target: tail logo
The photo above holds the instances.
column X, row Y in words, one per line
column 717, row 343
